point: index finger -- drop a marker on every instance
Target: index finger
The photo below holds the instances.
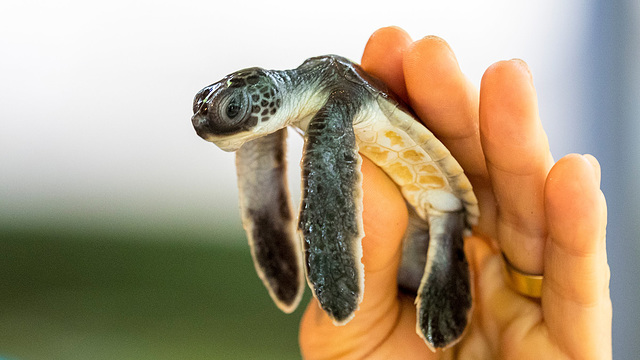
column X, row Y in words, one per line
column 383, row 56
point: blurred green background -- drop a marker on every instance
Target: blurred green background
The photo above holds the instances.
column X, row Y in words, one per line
column 66, row 293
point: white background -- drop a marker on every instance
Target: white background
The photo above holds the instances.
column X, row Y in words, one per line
column 95, row 97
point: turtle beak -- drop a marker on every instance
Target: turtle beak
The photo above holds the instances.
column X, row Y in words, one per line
column 223, row 142
column 200, row 125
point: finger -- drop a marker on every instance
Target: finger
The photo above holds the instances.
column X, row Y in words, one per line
column 596, row 166
column 385, row 219
column 518, row 159
column 447, row 103
column 576, row 302
column 444, row 99
column 497, row 306
column 382, row 57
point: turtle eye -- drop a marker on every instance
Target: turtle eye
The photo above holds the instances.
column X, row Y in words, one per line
column 233, row 109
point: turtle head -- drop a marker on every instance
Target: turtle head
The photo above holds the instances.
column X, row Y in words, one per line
column 238, row 108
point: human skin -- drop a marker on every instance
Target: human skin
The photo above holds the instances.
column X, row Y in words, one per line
column 547, row 218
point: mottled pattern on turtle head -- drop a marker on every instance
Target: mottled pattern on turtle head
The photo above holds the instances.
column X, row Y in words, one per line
column 265, row 97
column 239, row 102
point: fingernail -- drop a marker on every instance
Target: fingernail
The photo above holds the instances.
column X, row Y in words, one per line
column 597, row 171
column 523, row 66
column 440, row 40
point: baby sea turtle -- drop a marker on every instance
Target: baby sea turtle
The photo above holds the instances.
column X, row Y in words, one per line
column 342, row 110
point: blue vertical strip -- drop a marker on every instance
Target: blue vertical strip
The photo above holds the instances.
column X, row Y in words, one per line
column 612, row 65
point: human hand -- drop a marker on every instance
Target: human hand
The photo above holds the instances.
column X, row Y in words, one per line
column 546, row 218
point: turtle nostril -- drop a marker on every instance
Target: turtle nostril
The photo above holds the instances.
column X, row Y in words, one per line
column 197, row 121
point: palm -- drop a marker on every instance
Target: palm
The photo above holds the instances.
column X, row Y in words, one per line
column 546, row 218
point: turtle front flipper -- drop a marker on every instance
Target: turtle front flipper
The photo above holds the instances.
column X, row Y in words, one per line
column 330, row 221
column 444, row 296
column 268, row 220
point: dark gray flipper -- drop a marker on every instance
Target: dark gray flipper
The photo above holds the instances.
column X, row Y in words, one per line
column 268, row 220
column 414, row 253
column 444, row 297
column 331, row 211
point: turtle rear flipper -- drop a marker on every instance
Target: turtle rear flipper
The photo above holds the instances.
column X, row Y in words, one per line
column 444, row 296
column 331, row 211
column 414, row 253
column 268, row 220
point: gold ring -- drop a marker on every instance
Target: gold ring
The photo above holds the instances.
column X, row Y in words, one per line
column 526, row 284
